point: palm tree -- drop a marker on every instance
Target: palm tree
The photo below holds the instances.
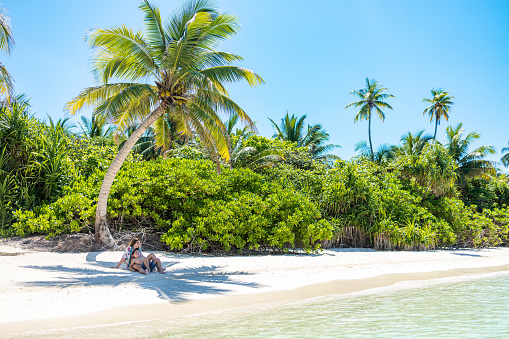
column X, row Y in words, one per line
column 413, row 144
column 188, row 75
column 372, row 98
column 469, row 163
column 292, row 128
column 439, row 107
column 96, row 127
column 505, row 158
column 247, row 156
column 6, row 45
column 384, row 154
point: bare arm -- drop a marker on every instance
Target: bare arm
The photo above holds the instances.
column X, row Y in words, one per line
column 119, row 263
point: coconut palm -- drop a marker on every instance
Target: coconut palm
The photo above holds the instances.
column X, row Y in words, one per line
column 469, row 163
column 440, row 106
column 6, row 45
column 505, row 158
column 372, row 98
column 173, row 68
column 292, row 128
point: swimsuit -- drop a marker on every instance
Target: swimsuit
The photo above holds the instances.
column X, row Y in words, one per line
column 151, row 264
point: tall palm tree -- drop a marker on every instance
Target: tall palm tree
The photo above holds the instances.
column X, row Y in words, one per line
column 372, row 98
column 292, row 128
column 505, row 158
column 469, row 163
column 6, row 45
column 440, row 106
column 173, row 68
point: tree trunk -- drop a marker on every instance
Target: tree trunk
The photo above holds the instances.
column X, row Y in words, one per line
column 436, row 125
column 102, row 232
column 369, row 135
column 218, row 167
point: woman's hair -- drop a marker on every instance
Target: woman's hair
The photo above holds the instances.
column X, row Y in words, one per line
column 133, row 241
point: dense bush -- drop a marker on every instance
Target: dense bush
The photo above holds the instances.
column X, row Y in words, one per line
column 486, row 192
column 388, row 208
column 192, row 206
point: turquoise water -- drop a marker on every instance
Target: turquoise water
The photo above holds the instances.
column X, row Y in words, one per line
column 472, row 309
column 477, row 308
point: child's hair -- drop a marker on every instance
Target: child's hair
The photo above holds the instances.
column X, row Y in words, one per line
column 133, row 241
column 136, row 250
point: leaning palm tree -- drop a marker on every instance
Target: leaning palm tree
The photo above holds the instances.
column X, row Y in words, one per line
column 440, row 106
column 372, row 98
column 173, row 68
column 6, row 45
column 470, row 164
column 505, row 158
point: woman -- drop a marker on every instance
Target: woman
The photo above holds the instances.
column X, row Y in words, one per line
column 150, row 262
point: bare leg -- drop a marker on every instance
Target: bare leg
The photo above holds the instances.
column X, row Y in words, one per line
column 159, row 266
column 153, row 257
column 140, row 269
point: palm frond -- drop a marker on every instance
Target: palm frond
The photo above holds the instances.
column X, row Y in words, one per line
column 121, row 53
column 6, row 39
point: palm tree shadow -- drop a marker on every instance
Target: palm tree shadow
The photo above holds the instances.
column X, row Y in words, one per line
column 174, row 286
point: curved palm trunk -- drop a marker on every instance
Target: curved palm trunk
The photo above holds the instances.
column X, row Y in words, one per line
column 369, row 135
column 102, row 232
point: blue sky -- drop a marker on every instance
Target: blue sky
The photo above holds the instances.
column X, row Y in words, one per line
column 311, row 55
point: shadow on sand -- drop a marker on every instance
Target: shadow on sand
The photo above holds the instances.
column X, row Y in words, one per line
column 172, row 286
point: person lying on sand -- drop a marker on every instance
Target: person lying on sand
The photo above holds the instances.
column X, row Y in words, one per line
column 152, row 259
column 137, row 260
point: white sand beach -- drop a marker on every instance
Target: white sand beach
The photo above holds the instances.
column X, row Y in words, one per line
column 47, row 290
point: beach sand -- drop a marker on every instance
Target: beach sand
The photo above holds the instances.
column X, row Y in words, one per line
column 44, row 291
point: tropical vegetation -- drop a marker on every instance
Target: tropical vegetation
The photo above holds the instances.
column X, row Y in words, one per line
column 163, row 152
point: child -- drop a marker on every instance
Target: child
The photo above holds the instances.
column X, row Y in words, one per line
column 137, row 259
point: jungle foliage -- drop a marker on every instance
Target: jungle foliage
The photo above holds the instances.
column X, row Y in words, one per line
column 411, row 202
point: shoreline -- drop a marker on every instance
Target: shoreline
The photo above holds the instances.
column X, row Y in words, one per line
column 79, row 290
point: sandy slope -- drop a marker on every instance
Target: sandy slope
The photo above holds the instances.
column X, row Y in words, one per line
column 38, row 285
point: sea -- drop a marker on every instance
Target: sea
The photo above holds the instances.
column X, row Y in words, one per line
column 460, row 307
